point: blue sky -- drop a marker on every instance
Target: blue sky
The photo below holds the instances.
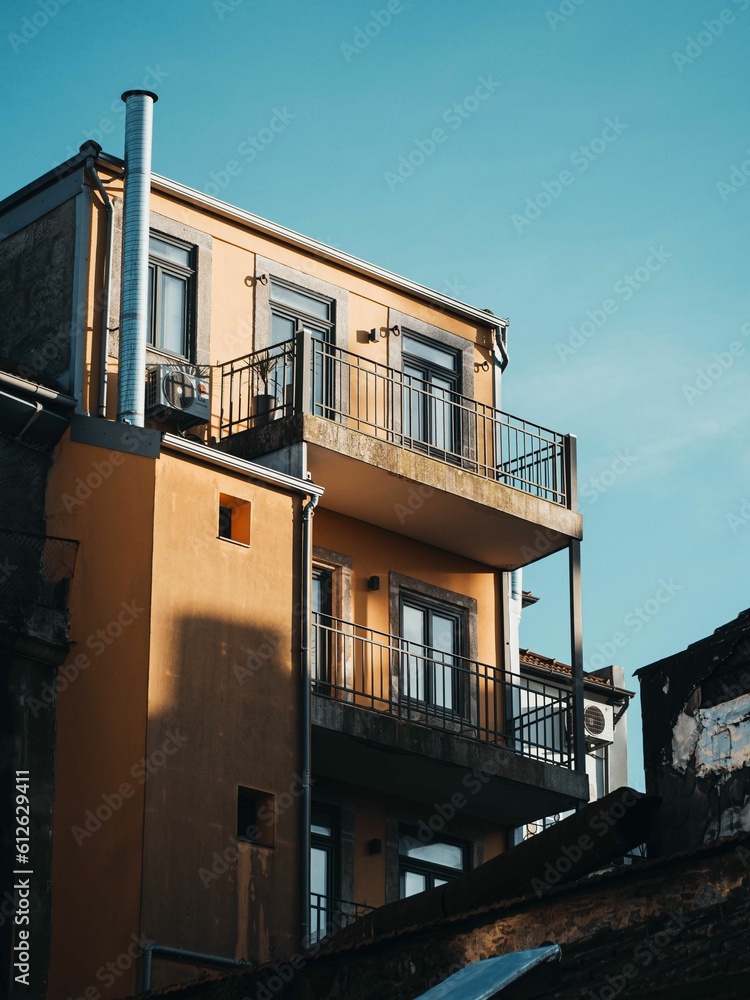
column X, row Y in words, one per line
column 590, row 181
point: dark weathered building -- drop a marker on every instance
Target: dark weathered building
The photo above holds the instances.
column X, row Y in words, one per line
column 696, row 739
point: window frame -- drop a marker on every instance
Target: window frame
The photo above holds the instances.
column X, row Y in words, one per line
column 430, row 870
column 158, row 267
column 339, row 566
column 459, row 680
column 398, row 583
column 429, row 401
column 465, row 443
column 268, row 271
column 460, row 828
column 202, row 242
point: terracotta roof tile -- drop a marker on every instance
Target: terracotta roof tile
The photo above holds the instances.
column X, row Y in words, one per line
column 532, row 659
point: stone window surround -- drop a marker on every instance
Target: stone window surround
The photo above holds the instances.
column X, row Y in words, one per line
column 343, row 805
column 399, row 583
column 341, row 606
column 305, row 283
column 201, row 310
column 465, row 445
column 341, row 568
column 464, row 348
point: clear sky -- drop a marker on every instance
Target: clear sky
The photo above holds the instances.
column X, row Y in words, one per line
column 589, row 180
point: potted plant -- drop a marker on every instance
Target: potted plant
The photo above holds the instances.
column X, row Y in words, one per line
column 266, row 406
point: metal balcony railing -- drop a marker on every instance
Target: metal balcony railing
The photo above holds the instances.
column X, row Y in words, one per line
column 35, row 570
column 378, row 672
column 307, row 375
column 329, row 915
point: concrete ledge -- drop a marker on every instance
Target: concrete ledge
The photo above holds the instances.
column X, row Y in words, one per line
column 417, row 495
column 393, row 755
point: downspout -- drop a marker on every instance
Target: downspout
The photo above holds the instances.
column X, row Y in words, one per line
column 131, row 383
column 515, row 610
column 104, row 351
column 500, row 343
column 306, row 704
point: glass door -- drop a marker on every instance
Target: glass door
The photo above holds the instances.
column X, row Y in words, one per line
column 432, row 639
column 431, row 409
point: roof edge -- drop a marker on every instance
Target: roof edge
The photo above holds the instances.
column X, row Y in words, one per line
column 444, row 303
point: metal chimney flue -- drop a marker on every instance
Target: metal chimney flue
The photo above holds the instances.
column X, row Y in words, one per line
column 131, row 384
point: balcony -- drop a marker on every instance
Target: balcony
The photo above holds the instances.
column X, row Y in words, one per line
column 378, row 697
column 329, row 915
column 505, row 485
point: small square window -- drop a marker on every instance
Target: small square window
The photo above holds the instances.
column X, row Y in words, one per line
column 255, row 816
column 234, row 519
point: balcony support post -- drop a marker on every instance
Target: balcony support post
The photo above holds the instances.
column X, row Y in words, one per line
column 576, row 651
column 303, row 376
column 570, row 465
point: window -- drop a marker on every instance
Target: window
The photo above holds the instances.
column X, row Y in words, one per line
column 171, row 273
column 322, row 634
column 323, row 870
column 234, row 519
column 293, row 310
column 426, row 865
column 431, row 414
column 255, row 816
column 432, row 641
column 600, row 756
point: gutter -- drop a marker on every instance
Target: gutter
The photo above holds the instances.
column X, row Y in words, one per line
column 259, row 473
column 597, row 687
column 36, row 391
column 321, row 251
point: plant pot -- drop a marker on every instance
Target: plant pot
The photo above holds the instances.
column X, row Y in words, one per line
column 265, row 408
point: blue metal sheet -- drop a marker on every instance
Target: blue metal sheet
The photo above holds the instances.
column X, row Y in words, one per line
column 488, row 978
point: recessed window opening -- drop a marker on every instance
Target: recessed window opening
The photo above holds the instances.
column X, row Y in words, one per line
column 255, row 816
column 234, row 519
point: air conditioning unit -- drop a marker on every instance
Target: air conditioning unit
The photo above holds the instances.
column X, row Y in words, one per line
column 179, row 392
column 598, row 723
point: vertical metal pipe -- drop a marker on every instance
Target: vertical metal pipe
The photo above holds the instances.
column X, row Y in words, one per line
column 305, row 709
column 131, row 383
column 104, row 351
column 576, row 648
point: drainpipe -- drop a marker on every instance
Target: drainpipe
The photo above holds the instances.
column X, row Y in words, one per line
column 131, row 383
column 305, row 702
column 515, row 609
column 110, row 209
column 184, row 955
column 500, row 344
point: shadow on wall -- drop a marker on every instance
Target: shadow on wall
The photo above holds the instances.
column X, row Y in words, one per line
column 223, row 758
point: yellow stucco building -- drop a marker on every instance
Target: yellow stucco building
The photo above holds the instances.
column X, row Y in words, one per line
column 287, row 694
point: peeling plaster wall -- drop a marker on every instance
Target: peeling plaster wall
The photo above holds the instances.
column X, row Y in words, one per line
column 723, row 737
column 696, row 739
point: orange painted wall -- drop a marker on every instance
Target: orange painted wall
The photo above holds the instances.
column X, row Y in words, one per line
column 224, row 682
column 106, row 501
column 376, row 552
